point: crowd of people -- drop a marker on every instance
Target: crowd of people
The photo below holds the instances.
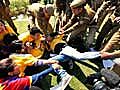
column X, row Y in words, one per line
column 72, row 38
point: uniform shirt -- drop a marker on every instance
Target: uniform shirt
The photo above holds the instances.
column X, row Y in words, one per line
column 23, row 60
column 114, row 44
column 15, row 83
column 77, row 24
column 36, row 10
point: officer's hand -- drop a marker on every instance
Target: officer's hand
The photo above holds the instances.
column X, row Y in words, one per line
column 106, row 55
column 61, row 31
column 117, row 20
column 56, row 66
column 50, row 62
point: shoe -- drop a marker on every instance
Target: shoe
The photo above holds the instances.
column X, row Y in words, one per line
column 63, row 84
column 65, row 81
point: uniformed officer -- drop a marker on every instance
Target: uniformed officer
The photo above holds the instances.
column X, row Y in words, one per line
column 78, row 24
column 113, row 47
column 104, row 20
column 40, row 16
column 62, row 13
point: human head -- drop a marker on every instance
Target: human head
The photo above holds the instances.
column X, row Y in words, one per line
column 2, row 26
column 48, row 10
column 8, row 38
column 77, row 6
column 8, row 68
column 60, row 4
column 35, row 32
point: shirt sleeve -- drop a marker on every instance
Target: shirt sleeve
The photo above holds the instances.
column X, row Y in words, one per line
column 18, row 83
column 37, row 77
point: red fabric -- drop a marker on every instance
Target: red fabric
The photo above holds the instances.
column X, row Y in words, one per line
column 15, row 83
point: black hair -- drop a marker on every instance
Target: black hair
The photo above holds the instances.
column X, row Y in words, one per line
column 16, row 46
column 33, row 1
column 8, row 38
column 6, row 66
column 11, row 40
column 35, row 30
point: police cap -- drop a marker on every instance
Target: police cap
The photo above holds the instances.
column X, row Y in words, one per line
column 77, row 3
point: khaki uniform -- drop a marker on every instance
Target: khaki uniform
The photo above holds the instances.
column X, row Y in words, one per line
column 62, row 12
column 38, row 18
column 77, row 26
column 114, row 43
column 104, row 22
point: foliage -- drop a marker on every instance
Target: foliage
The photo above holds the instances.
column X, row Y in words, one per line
column 18, row 6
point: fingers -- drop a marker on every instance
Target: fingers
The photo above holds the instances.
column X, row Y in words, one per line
column 50, row 62
column 56, row 66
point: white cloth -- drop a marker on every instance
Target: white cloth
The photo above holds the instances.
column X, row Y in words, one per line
column 73, row 53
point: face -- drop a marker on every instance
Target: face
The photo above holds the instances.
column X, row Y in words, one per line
column 2, row 27
column 46, row 13
column 76, row 11
column 37, row 36
column 15, row 72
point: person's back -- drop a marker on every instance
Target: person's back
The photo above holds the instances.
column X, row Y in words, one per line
column 40, row 16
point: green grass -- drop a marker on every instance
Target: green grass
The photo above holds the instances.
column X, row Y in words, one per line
column 21, row 26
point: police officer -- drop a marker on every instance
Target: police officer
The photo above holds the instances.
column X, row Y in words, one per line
column 77, row 25
column 40, row 16
column 104, row 20
column 112, row 50
column 62, row 13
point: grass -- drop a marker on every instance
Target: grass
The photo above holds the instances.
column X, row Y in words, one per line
column 21, row 26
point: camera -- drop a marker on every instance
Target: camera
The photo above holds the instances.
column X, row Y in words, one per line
column 104, row 80
column 95, row 82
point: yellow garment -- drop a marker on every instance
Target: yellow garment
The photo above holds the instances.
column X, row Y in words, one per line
column 23, row 60
column 1, row 87
column 2, row 34
column 39, row 48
